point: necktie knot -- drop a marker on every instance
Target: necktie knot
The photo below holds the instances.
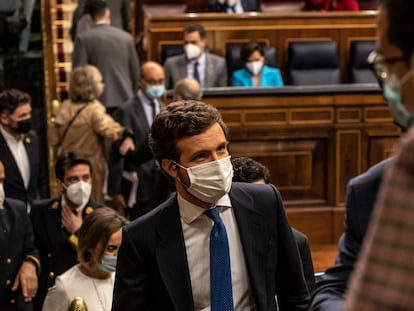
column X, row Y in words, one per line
column 213, row 214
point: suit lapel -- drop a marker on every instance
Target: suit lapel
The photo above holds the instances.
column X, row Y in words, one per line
column 255, row 239
column 31, row 154
column 9, row 161
column 209, row 71
column 172, row 259
column 52, row 214
column 182, row 67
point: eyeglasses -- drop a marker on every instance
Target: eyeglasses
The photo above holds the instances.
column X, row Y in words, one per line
column 380, row 65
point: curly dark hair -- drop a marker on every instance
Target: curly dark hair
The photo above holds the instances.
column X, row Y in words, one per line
column 248, row 170
column 179, row 120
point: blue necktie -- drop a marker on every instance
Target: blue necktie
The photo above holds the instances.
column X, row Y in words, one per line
column 196, row 74
column 220, row 272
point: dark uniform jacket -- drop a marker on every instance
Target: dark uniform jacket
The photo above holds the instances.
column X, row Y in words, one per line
column 16, row 246
column 56, row 246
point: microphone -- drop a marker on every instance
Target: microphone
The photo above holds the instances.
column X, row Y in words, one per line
column 78, row 304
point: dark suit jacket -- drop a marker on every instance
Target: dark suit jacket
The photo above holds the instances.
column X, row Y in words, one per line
column 38, row 183
column 14, row 249
column 248, row 6
column 113, row 52
column 52, row 242
column 306, row 258
column 176, row 69
column 361, row 196
column 152, row 271
column 153, row 184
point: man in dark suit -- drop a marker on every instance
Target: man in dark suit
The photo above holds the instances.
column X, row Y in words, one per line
column 113, row 52
column 20, row 149
column 165, row 261
column 208, row 69
column 139, row 186
column 19, row 257
column 361, row 196
column 233, row 6
column 251, row 171
column 56, row 221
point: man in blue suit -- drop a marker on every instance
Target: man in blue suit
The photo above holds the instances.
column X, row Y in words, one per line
column 165, row 261
column 20, row 149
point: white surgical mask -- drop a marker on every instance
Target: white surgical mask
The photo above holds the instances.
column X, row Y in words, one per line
column 2, row 195
column 155, row 91
column 210, row 181
column 192, row 51
column 231, row 2
column 79, row 193
column 254, row 66
column 392, row 94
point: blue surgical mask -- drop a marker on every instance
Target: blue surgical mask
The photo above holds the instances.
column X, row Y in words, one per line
column 155, row 91
column 108, row 263
column 392, row 94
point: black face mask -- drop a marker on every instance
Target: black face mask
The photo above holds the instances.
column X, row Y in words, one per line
column 23, row 126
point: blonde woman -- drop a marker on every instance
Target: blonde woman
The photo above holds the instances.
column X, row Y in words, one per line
column 82, row 124
column 92, row 279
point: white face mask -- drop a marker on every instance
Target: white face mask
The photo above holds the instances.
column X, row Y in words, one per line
column 210, row 181
column 192, row 51
column 2, row 195
column 254, row 66
column 79, row 193
column 231, row 2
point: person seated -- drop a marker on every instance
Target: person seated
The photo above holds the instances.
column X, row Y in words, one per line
column 92, row 279
column 233, row 6
column 187, row 89
column 251, row 171
column 332, row 5
column 208, row 69
column 255, row 73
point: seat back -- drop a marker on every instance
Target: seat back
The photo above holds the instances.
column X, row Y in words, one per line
column 313, row 63
column 168, row 50
column 234, row 61
column 359, row 69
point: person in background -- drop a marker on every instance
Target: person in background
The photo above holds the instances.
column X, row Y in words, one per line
column 56, row 221
column 119, row 16
column 332, row 5
column 255, row 73
column 20, row 261
column 233, row 6
column 20, row 149
column 251, row 171
column 175, row 258
column 82, row 124
column 208, row 69
column 187, row 89
column 113, row 52
column 92, row 279
column 383, row 278
column 138, row 188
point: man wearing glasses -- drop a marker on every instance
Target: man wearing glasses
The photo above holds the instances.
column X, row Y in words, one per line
column 392, row 65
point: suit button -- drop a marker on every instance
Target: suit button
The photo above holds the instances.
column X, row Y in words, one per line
column 8, row 260
column 51, row 275
column 8, row 282
column 12, row 301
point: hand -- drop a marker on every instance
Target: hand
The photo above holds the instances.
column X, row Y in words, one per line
column 72, row 221
column 127, row 145
column 114, row 137
column 27, row 278
column 118, row 203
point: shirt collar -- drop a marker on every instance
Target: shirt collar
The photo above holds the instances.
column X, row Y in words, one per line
column 9, row 137
column 190, row 212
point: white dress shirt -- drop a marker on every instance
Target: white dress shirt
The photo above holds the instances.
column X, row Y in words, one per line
column 196, row 228
column 19, row 153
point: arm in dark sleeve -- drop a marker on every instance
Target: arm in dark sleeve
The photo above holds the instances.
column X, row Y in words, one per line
column 131, row 279
column 331, row 286
column 30, row 252
column 291, row 288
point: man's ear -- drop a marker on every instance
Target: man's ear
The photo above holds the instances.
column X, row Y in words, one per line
column 4, row 118
column 169, row 167
column 60, row 186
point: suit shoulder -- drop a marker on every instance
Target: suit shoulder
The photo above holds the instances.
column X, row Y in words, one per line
column 216, row 58
column 372, row 175
column 173, row 60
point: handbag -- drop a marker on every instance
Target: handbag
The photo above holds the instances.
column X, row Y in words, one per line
column 15, row 23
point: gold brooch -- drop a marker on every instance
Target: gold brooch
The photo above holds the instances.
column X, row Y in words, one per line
column 55, row 205
column 88, row 210
column 27, row 140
